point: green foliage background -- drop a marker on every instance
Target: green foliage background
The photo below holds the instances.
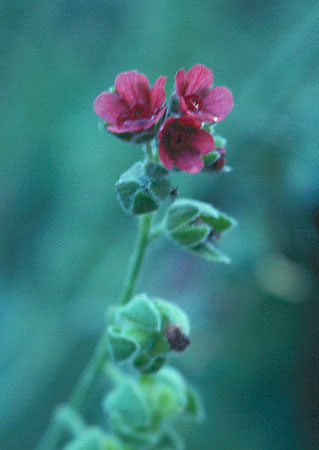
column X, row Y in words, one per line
column 65, row 240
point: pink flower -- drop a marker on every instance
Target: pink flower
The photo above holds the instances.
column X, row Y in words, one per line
column 197, row 99
column 133, row 106
column 181, row 142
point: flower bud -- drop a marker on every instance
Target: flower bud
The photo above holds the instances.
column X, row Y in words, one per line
column 196, row 226
column 146, row 330
column 138, row 409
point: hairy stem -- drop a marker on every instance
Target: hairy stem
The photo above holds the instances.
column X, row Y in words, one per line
column 136, row 262
column 94, row 369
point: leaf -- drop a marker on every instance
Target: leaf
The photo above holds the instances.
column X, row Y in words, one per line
column 142, row 312
column 121, row 347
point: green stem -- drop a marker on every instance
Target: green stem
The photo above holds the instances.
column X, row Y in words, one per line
column 94, row 369
column 144, row 235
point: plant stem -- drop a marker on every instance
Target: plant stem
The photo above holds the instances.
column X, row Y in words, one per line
column 144, row 235
column 94, row 369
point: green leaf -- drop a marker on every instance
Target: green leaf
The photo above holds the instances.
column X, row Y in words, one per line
column 129, row 403
column 142, row 312
column 121, row 346
column 209, row 252
column 172, row 314
column 189, row 236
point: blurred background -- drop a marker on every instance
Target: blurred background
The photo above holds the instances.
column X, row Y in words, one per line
column 65, row 240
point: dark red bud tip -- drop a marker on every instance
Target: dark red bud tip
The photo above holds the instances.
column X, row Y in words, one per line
column 177, row 340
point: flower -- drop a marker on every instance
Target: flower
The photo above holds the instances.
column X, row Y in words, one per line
column 197, row 99
column 181, row 142
column 134, row 106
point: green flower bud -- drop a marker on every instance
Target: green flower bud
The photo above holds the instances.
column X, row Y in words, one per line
column 196, row 226
column 147, row 330
column 142, row 412
column 143, row 187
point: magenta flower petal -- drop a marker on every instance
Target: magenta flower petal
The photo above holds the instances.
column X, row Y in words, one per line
column 219, row 102
column 158, row 93
column 189, row 161
column 202, row 141
column 132, row 86
column 198, row 77
column 108, row 106
column 180, row 80
column 165, row 157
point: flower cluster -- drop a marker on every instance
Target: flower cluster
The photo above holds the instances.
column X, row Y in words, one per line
column 134, row 110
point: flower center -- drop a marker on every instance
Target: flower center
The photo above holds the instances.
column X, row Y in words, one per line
column 178, row 140
column 193, row 102
column 137, row 113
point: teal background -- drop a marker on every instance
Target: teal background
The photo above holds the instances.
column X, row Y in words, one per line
column 65, row 242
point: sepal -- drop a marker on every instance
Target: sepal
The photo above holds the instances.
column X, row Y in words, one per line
column 143, row 187
column 196, row 226
column 142, row 412
column 146, row 330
